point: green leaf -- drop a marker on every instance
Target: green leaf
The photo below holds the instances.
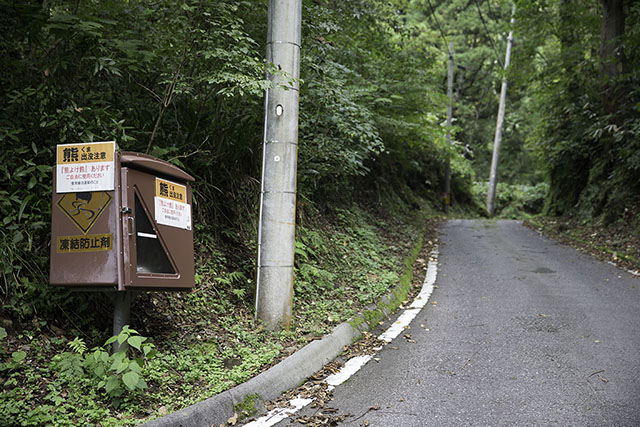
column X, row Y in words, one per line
column 117, row 360
column 18, row 237
column 136, row 341
column 3, row 333
column 18, row 355
column 111, row 340
column 130, row 379
column 122, row 338
column 112, row 384
column 122, row 367
column 32, row 183
column 99, row 372
column 24, row 203
column 135, row 367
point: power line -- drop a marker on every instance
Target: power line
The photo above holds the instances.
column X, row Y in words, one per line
column 433, row 13
column 486, row 30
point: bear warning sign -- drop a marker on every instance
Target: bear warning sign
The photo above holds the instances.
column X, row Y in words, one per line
column 171, row 205
column 85, row 167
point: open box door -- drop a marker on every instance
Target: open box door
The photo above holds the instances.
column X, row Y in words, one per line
column 157, row 231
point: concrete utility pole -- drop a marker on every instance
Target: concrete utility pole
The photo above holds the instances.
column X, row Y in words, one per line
column 276, row 229
column 447, row 170
column 493, row 178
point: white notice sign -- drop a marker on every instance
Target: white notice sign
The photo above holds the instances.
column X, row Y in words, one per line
column 172, row 213
column 170, row 204
column 85, row 167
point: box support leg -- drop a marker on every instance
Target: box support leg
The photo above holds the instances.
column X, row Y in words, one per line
column 121, row 316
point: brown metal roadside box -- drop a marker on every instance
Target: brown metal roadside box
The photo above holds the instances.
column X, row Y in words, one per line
column 136, row 235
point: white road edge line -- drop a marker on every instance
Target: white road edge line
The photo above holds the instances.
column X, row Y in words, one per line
column 279, row 414
column 354, row 364
column 399, row 325
column 635, row 273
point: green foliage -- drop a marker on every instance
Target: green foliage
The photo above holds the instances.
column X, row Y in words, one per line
column 184, row 82
column 478, row 30
column 584, row 121
column 78, row 346
column 341, row 266
column 83, row 71
column 40, row 390
column 117, row 372
column 512, row 200
column 371, row 106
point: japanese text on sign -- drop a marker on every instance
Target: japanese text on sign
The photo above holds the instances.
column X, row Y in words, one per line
column 88, row 243
column 171, row 207
column 171, row 190
column 85, row 167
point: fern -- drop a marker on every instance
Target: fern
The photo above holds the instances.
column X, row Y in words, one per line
column 69, row 365
column 78, row 346
column 230, row 278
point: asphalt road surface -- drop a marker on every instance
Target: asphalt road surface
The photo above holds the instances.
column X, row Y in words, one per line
column 521, row 331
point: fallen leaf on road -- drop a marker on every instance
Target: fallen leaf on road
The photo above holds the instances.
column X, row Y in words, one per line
column 409, row 339
column 233, row 420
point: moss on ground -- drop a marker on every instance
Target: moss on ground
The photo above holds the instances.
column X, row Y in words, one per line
column 247, row 407
column 382, row 308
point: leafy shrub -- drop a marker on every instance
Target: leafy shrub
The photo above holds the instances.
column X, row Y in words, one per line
column 514, row 200
column 117, row 372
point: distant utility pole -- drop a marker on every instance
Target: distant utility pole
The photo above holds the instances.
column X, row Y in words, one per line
column 276, row 229
column 447, row 170
column 493, row 178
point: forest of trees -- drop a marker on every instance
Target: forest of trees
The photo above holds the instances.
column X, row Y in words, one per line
column 184, row 81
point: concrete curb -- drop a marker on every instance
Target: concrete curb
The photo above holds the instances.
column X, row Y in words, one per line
column 288, row 374
column 292, row 371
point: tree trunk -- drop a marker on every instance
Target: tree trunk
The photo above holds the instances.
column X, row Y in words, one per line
column 611, row 50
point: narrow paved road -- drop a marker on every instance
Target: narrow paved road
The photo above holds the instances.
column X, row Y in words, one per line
column 520, row 331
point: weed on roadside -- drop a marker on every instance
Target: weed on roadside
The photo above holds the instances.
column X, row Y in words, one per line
column 186, row 347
